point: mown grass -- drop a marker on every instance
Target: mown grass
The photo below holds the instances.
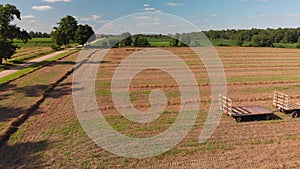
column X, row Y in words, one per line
column 34, row 42
column 263, row 78
column 16, row 137
column 159, row 42
column 269, row 89
column 33, row 67
column 134, row 129
column 23, row 58
column 41, row 42
column 263, row 141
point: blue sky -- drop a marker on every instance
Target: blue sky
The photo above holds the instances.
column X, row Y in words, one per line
column 42, row 15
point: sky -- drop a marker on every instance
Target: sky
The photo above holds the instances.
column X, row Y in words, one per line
column 43, row 15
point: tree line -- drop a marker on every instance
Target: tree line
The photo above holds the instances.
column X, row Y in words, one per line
column 257, row 37
column 67, row 31
column 39, row 34
column 123, row 40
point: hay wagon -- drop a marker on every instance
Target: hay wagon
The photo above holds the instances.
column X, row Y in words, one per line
column 282, row 103
column 242, row 112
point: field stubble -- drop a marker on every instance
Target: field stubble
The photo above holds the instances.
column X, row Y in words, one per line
column 53, row 137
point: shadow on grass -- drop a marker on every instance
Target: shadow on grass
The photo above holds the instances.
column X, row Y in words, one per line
column 9, row 113
column 6, row 66
column 22, row 155
column 37, row 90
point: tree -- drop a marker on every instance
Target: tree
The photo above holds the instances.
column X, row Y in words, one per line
column 83, row 34
column 65, row 32
column 261, row 41
column 58, row 39
column 174, row 42
column 9, row 32
column 126, row 39
column 141, row 41
column 290, row 37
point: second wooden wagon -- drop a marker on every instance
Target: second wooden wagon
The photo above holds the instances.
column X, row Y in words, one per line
column 283, row 104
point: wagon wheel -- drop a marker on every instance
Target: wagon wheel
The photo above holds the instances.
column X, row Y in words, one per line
column 238, row 119
column 295, row 114
column 281, row 110
column 267, row 117
column 285, row 111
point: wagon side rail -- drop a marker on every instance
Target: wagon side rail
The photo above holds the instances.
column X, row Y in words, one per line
column 225, row 105
column 281, row 100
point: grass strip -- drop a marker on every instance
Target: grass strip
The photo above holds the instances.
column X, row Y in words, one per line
column 7, row 79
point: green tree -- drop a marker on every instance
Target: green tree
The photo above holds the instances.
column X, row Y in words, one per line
column 141, row 41
column 65, row 32
column 174, row 42
column 261, row 41
column 9, row 32
column 83, row 34
column 290, row 36
column 126, row 39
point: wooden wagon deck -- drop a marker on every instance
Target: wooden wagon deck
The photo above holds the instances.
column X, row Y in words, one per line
column 240, row 112
column 249, row 111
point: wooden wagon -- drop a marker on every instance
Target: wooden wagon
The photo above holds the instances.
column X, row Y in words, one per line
column 241, row 112
column 282, row 103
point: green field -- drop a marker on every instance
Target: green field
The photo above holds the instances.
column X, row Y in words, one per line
column 38, row 42
column 159, row 42
column 35, row 66
column 34, row 42
column 25, row 54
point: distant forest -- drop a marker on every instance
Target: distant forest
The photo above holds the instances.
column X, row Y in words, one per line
column 39, row 34
column 231, row 37
column 258, row 37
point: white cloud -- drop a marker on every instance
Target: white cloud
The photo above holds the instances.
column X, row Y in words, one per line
column 205, row 20
column 142, row 17
column 53, row 1
column 27, row 17
column 102, row 21
column 42, row 8
column 147, row 18
column 149, row 9
column 91, row 18
column 292, row 15
column 96, row 16
column 174, row 4
column 258, row 16
column 214, row 15
column 146, row 5
column 144, row 24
